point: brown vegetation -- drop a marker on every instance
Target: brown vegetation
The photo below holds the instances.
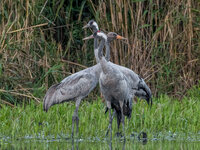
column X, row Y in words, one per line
column 40, row 42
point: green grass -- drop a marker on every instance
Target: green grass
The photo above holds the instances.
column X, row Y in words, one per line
column 167, row 118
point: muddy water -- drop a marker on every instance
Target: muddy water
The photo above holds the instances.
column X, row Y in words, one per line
column 98, row 145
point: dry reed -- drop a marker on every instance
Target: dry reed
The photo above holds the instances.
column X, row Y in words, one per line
column 163, row 45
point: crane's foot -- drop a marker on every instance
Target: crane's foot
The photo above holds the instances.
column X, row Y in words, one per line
column 120, row 136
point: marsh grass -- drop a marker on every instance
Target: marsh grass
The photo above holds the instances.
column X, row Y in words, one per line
column 167, row 119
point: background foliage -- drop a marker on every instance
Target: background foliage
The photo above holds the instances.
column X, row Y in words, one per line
column 41, row 43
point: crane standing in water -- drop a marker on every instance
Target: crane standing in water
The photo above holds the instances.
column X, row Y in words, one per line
column 113, row 84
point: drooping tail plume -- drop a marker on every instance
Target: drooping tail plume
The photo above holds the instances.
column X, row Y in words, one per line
column 49, row 97
column 144, row 92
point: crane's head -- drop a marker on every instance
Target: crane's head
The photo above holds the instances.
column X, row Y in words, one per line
column 92, row 24
column 109, row 37
column 113, row 36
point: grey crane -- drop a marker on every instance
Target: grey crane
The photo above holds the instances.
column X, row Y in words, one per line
column 75, row 87
column 113, row 84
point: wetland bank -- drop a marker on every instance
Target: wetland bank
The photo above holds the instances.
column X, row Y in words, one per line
column 169, row 123
column 41, row 43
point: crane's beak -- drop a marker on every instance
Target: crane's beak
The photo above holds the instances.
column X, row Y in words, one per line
column 121, row 37
column 89, row 37
column 86, row 26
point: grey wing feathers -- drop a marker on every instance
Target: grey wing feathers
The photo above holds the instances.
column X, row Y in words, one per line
column 72, row 87
column 131, row 76
column 48, row 96
column 138, row 85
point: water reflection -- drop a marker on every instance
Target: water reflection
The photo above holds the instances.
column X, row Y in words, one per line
column 123, row 143
column 116, row 144
column 75, row 145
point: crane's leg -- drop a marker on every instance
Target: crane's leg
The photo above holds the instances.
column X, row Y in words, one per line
column 110, row 115
column 110, row 118
column 123, row 126
column 75, row 118
column 118, row 134
column 113, row 115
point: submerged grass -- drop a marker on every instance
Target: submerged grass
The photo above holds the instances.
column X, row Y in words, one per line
column 167, row 119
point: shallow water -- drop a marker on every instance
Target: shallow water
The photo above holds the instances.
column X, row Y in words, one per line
column 31, row 143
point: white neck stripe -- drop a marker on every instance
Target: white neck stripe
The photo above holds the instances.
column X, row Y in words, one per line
column 102, row 35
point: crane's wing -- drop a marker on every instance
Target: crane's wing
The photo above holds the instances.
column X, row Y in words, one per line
column 138, row 85
column 77, row 85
